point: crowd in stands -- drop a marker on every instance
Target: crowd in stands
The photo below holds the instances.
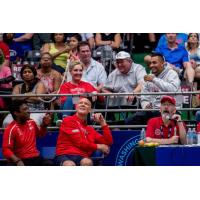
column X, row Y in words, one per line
column 77, row 63
column 52, row 53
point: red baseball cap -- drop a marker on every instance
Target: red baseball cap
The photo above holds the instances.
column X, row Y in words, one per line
column 172, row 100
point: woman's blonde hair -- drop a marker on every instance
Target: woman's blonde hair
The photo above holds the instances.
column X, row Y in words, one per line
column 73, row 64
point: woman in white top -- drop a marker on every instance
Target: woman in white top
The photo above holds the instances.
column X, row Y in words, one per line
column 194, row 52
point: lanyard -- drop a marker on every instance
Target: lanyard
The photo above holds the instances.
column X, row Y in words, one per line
column 169, row 132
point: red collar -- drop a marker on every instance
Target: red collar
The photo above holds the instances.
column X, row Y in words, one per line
column 83, row 122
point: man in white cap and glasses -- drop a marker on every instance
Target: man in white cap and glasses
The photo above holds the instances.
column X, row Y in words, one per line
column 126, row 78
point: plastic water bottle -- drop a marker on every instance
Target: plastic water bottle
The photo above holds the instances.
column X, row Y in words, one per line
column 143, row 134
column 198, row 133
column 190, row 136
column 194, row 136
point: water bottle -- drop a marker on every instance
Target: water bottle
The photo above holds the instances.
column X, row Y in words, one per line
column 143, row 134
column 194, row 136
column 189, row 136
column 198, row 133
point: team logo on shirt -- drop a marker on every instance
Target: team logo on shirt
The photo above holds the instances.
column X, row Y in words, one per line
column 75, row 131
column 157, row 132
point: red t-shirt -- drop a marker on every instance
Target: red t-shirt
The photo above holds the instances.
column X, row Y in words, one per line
column 4, row 47
column 70, row 88
column 156, row 129
column 76, row 138
column 20, row 139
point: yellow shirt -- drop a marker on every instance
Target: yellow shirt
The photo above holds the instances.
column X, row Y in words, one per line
column 60, row 60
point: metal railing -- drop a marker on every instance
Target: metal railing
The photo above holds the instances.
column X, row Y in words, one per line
column 190, row 93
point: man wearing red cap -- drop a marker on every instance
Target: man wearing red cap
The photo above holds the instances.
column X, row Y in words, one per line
column 168, row 128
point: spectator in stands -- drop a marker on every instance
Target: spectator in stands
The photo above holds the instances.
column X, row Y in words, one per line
column 126, row 78
column 48, row 76
column 25, row 42
column 194, row 52
column 59, row 51
column 168, row 128
column 75, row 86
column 108, row 44
column 19, row 139
column 4, row 73
column 93, row 71
column 181, row 39
column 73, row 43
column 16, row 52
column 31, row 85
column 161, row 79
column 177, row 57
column 39, row 39
column 112, row 39
column 5, row 49
column 76, row 140
column 5, row 84
column 88, row 37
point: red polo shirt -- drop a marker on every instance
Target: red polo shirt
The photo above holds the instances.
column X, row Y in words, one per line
column 157, row 129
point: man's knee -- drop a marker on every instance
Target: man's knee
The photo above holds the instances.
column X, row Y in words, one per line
column 86, row 162
column 68, row 163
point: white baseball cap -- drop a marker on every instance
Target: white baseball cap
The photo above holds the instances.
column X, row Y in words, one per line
column 122, row 55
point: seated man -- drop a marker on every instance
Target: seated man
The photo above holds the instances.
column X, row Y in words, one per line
column 19, row 139
column 161, row 79
column 77, row 141
column 168, row 128
column 93, row 71
column 176, row 56
column 126, row 78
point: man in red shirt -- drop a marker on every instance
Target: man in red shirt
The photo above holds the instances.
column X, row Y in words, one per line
column 19, row 139
column 169, row 128
column 76, row 140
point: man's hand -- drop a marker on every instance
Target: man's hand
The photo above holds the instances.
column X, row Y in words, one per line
column 193, row 63
column 176, row 117
column 20, row 163
column 149, row 106
column 47, row 119
column 149, row 77
column 94, row 98
column 104, row 148
column 130, row 98
column 98, row 117
column 174, row 139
